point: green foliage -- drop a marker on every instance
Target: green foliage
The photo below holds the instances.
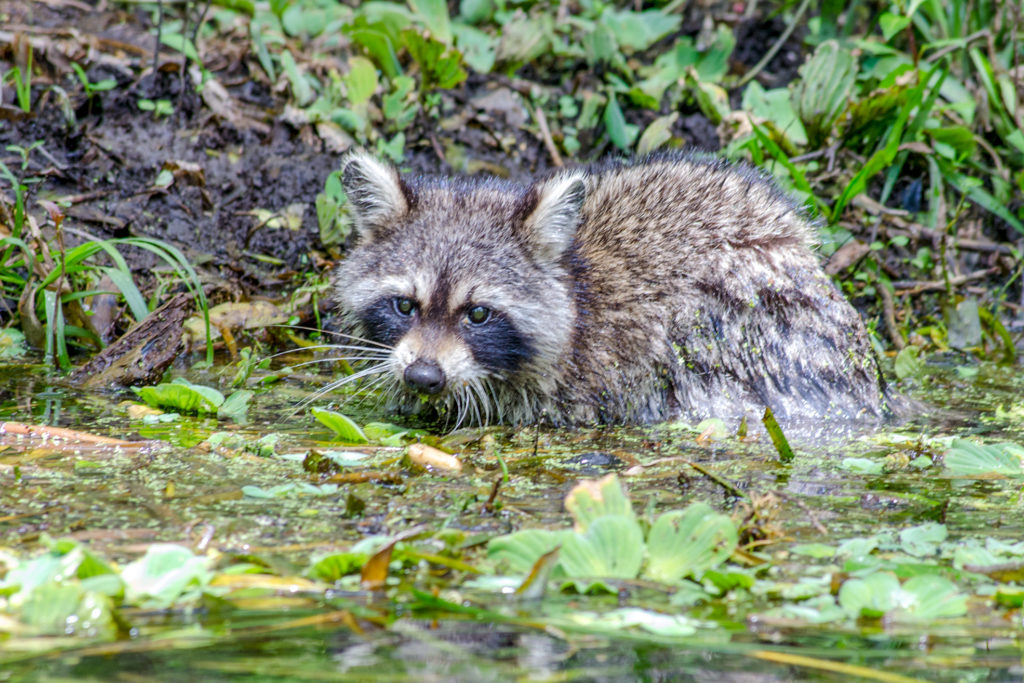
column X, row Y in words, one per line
column 52, row 281
column 166, row 575
column 88, row 86
column 21, row 78
column 708, row 537
column 342, row 425
column 160, row 108
column 921, row 598
column 971, row 459
column 332, row 211
column 609, row 541
column 822, row 93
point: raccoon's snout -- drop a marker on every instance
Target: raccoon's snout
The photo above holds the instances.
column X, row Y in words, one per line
column 425, row 376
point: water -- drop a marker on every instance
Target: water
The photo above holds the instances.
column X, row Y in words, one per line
column 433, row 621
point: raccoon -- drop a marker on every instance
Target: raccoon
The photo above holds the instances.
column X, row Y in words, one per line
column 625, row 292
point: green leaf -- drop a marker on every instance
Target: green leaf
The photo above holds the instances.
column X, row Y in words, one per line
column 923, row 540
column 775, row 106
column 637, row 31
column 182, row 395
column 476, row 11
column 346, row 429
column 970, row 459
column 361, row 80
column 12, row 344
column 337, row 565
column 883, row 157
column 590, row 500
column 822, row 93
column 165, row 573
column 984, row 199
column 922, row 598
column 713, row 65
column 657, row 134
column 178, row 42
column 871, row 596
column 815, row 550
column 599, row 45
column 621, row 133
column 520, row 551
column 61, row 609
column 301, row 90
column 122, row 279
column 688, row 542
column 478, row 48
column 434, row 15
column 932, row 597
column 611, row 547
column 891, row 24
column 862, row 465
column 378, row 42
column 908, row 363
column 235, row 406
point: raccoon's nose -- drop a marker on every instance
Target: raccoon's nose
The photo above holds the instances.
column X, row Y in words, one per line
column 425, row 376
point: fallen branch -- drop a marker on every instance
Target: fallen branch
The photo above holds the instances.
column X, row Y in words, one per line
column 919, row 286
column 59, row 433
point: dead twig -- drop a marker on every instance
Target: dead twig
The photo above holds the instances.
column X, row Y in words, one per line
column 545, row 134
column 59, row 434
column 889, row 311
column 919, row 286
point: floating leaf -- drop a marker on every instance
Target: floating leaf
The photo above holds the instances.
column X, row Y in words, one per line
column 816, row 550
column 688, row 542
column 164, row 573
column 923, row 540
column 967, row 458
column 668, row 625
column 590, row 500
column 611, row 547
column 180, row 394
column 235, row 406
column 862, row 465
column 65, row 608
column 521, row 550
column 921, row 598
column 342, row 425
column 932, row 597
column 337, row 565
column 871, row 596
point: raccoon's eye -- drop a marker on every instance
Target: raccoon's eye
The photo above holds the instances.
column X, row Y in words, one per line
column 478, row 315
column 404, row 306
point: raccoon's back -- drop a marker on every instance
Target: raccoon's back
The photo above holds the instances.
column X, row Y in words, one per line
column 698, row 294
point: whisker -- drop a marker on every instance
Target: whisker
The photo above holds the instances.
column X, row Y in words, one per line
column 474, row 403
column 332, row 386
column 332, row 359
column 333, row 332
column 320, row 347
column 482, row 400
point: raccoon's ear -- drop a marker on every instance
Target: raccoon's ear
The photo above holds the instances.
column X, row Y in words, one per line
column 375, row 193
column 551, row 223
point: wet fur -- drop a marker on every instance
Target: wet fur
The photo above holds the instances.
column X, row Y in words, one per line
column 676, row 285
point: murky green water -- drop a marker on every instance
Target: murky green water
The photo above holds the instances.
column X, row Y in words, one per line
column 432, row 622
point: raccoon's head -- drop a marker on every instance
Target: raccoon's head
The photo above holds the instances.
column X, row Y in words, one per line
column 464, row 282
